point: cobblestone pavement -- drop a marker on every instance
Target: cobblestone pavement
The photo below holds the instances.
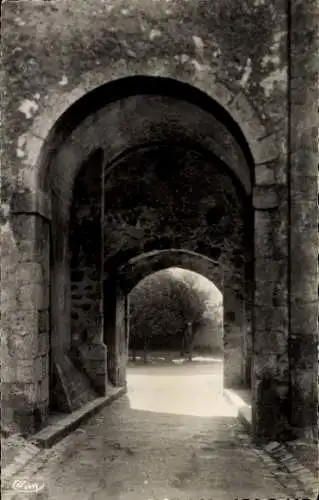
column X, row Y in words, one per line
column 173, row 436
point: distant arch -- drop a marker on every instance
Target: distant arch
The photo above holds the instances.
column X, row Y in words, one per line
column 144, row 264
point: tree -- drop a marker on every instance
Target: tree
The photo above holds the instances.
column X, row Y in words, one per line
column 168, row 308
column 147, row 302
column 192, row 302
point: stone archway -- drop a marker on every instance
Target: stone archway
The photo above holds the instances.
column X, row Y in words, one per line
column 137, row 268
column 236, row 355
column 69, row 154
column 146, row 231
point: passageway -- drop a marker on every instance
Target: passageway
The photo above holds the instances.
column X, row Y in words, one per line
column 173, row 436
column 175, row 311
column 137, row 175
column 142, row 136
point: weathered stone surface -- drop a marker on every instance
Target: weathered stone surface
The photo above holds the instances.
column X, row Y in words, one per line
column 32, row 202
column 265, row 198
column 25, row 321
column 241, row 108
column 305, row 187
column 29, row 390
column 271, row 406
column 273, row 320
column 234, row 326
column 304, row 249
column 43, row 343
column 304, row 317
column 24, row 227
column 271, row 235
column 269, row 340
column 8, row 368
column 201, row 73
column 305, row 392
column 303, row 351
column 137, row 268
column 85, row 246
column 44, row 367
column 305, row 287
column 233, row 368
column 265, row 175
column 23, row 347
column 29, row 370
column 92, row 359
column 43, row 318
column 43, row 390
column 271, row 282
column 31, row 296
column 29, row 272
column 266, row 150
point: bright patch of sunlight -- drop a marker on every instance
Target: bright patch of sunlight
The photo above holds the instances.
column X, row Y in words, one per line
column 236, row 399
column 200, row 395
column 206, row 359
column 139, row 358
column 178, row 361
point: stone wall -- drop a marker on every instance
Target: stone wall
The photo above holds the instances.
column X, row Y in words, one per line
column 303, row 181
column 151, row 204
column 86, row 246
column 140, row 39
column 25, row 348
column 205, row 46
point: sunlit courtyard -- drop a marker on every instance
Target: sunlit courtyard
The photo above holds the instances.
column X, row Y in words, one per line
column 178, row 387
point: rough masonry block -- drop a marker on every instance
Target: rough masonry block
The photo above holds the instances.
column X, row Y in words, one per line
column 270, row 340
column 265, row 198
column 29, row 370
column 43, row 343
column 271, row 235
column 264, row 175
column 43, row 390
column 43, row 321
column 304, row 317
column 23, row 347
column 32, row 296
column 271, row 319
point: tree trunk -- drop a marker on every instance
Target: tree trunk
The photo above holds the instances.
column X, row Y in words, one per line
column 133, row 354
column 183, row 345
column 187, row 338
column 145, row 356
column 145, row 353
column 191, row 342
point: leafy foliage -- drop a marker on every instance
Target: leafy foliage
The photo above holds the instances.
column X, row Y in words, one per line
column 165, row 310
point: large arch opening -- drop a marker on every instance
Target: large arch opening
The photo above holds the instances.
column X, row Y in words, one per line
column 175, row 311
column 147, row 172
column 126, row 197
column 175, row 344
column 155, row 200
column 175, row 94
column 179, row 111
column 104, row 146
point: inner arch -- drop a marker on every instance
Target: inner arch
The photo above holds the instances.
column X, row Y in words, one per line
column 122, row 88
column 139, row 267
column 140, row 111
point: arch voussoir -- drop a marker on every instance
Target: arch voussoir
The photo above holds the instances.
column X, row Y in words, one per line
column 246, row 117
column 58, row 101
